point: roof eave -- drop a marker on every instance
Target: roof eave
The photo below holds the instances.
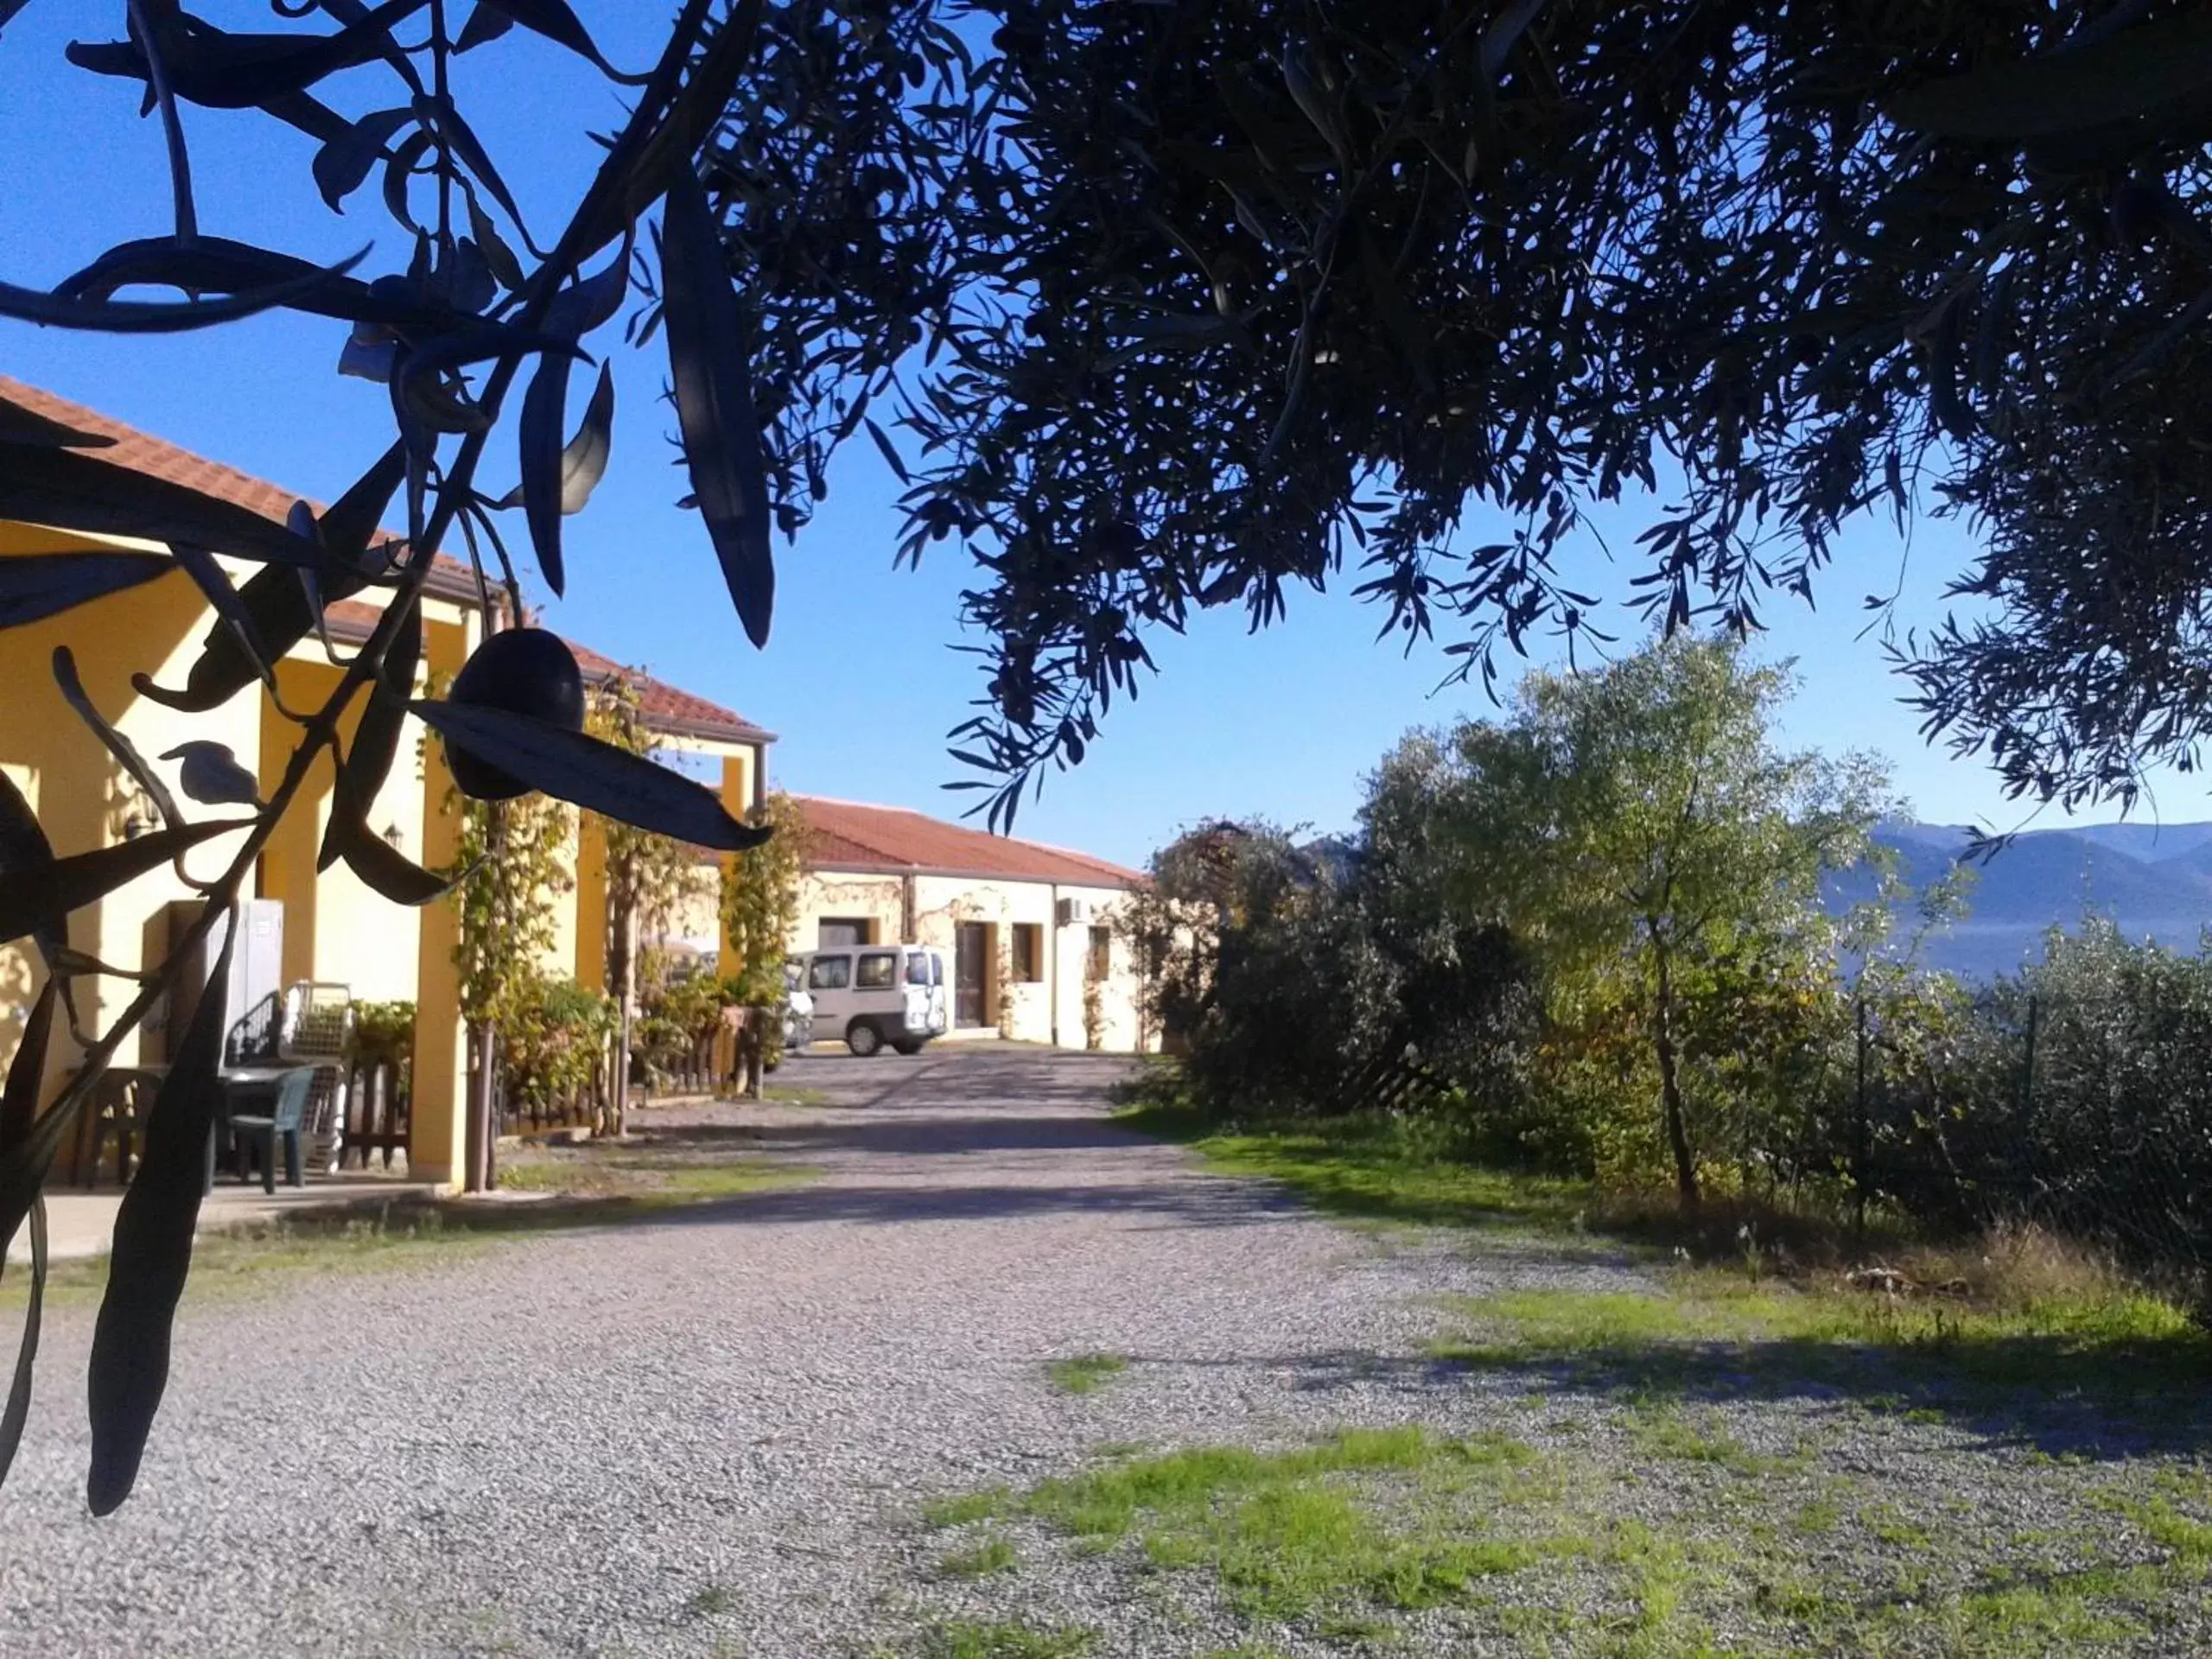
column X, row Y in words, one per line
column 857, row 867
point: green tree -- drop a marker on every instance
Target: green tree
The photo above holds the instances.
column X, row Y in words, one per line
column 759, row 908
column 1640, row 833
column 1223, row 298
column 649, row 879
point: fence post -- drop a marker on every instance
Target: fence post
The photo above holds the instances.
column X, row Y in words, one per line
column 1859, row 1141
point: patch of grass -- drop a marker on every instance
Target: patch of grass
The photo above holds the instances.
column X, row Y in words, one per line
column 1346, row 1536
column 1005, row 1639
column 1292, row 1532
column 1704, row 1322
column 777, row 1094
column 1085, row 1373
column 1377, row 1169
column 994, row 1555
column 964, row 1509
column 708, row 1601
column 645, row 1176
column 1666, row 1433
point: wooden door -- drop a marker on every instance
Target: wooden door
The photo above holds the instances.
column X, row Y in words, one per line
column 970, row 951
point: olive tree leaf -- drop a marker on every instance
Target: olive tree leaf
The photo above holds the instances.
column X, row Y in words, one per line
column 584, row 772
column 575, row 312
column 23, row 848
column 215, row 588
column 558, row 479
column 343, row 165
column 551, row 18
column 163, row 316
column 124, row 751
column 583, row 462
column 36, row 899
column 485, row 24
column 71, row 491
column 35, row 585
column 380, row 867
column 19, row 424
column 276, row 604
column 714, row 400
column 18, row 1409
column 210, row 773
column 2134, row 75
column 152, row 1252
column 25, row 1159
column 505, row 268
column 376, row 738
column 18, row 1123
column 221, row 70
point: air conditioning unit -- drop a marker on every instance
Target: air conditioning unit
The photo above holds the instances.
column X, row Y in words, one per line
column 1074, row 913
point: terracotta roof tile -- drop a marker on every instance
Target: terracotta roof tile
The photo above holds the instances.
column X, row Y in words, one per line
column 158, row 458
column 847, row 836
column 667, row 709
column 671, row 708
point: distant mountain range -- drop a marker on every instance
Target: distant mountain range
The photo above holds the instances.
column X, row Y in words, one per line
column 2154, row 880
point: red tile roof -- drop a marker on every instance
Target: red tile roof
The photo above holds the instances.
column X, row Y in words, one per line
column 158, row 458
column 667, row 709
column 847, row 835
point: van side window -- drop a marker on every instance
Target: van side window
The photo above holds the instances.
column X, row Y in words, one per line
column 878, row 970
column 829, row 974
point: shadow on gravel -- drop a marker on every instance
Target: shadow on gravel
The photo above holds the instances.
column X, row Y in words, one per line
column 921, row 1137
column 2040, row 1393
column 1196, row 1204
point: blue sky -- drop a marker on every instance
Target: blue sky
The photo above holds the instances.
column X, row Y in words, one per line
column 860, row 678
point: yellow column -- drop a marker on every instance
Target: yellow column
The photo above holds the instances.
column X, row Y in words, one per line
column 591, row 905
column 437, row 1123
column 287, row 872
column 737, row 801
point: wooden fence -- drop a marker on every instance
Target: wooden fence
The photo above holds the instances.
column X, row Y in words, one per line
column 376, row 1092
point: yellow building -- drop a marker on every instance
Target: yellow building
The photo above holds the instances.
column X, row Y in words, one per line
column 334, row 928
column 1028, row 930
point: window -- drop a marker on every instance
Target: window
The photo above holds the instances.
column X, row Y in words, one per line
column 836, row 933
column 922, row 970
column 1101, row 962
column 829, row 974
column 878, row 970
column 1028, row 952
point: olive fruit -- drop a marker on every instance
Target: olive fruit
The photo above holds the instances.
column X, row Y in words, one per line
column 525, row 671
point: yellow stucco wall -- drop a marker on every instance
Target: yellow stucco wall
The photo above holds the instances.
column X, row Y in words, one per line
column 83, row 799
column 942, row 903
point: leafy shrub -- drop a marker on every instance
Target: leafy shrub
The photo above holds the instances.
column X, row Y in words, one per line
column 553, row 1044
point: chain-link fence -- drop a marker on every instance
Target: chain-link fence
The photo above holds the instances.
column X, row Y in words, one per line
column 2091, row 1114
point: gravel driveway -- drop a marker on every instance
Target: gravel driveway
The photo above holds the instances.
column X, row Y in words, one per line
column 711, row 1433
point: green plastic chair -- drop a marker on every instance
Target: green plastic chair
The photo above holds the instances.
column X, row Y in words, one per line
column 259, row 1134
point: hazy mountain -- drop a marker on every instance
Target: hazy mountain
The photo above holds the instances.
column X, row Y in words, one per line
column 2153, row 842
column 2155, row 881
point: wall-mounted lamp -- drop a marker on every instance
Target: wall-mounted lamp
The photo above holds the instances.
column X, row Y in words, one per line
column 392, row 834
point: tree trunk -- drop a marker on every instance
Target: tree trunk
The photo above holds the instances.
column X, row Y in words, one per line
column 1670, row 1085
column 483, row 1129
column 622, row 970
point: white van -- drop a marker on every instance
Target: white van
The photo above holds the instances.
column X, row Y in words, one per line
column 874, row 995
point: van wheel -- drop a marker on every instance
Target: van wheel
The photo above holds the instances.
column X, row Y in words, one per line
column 863, row 1040
column 907, row 1048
